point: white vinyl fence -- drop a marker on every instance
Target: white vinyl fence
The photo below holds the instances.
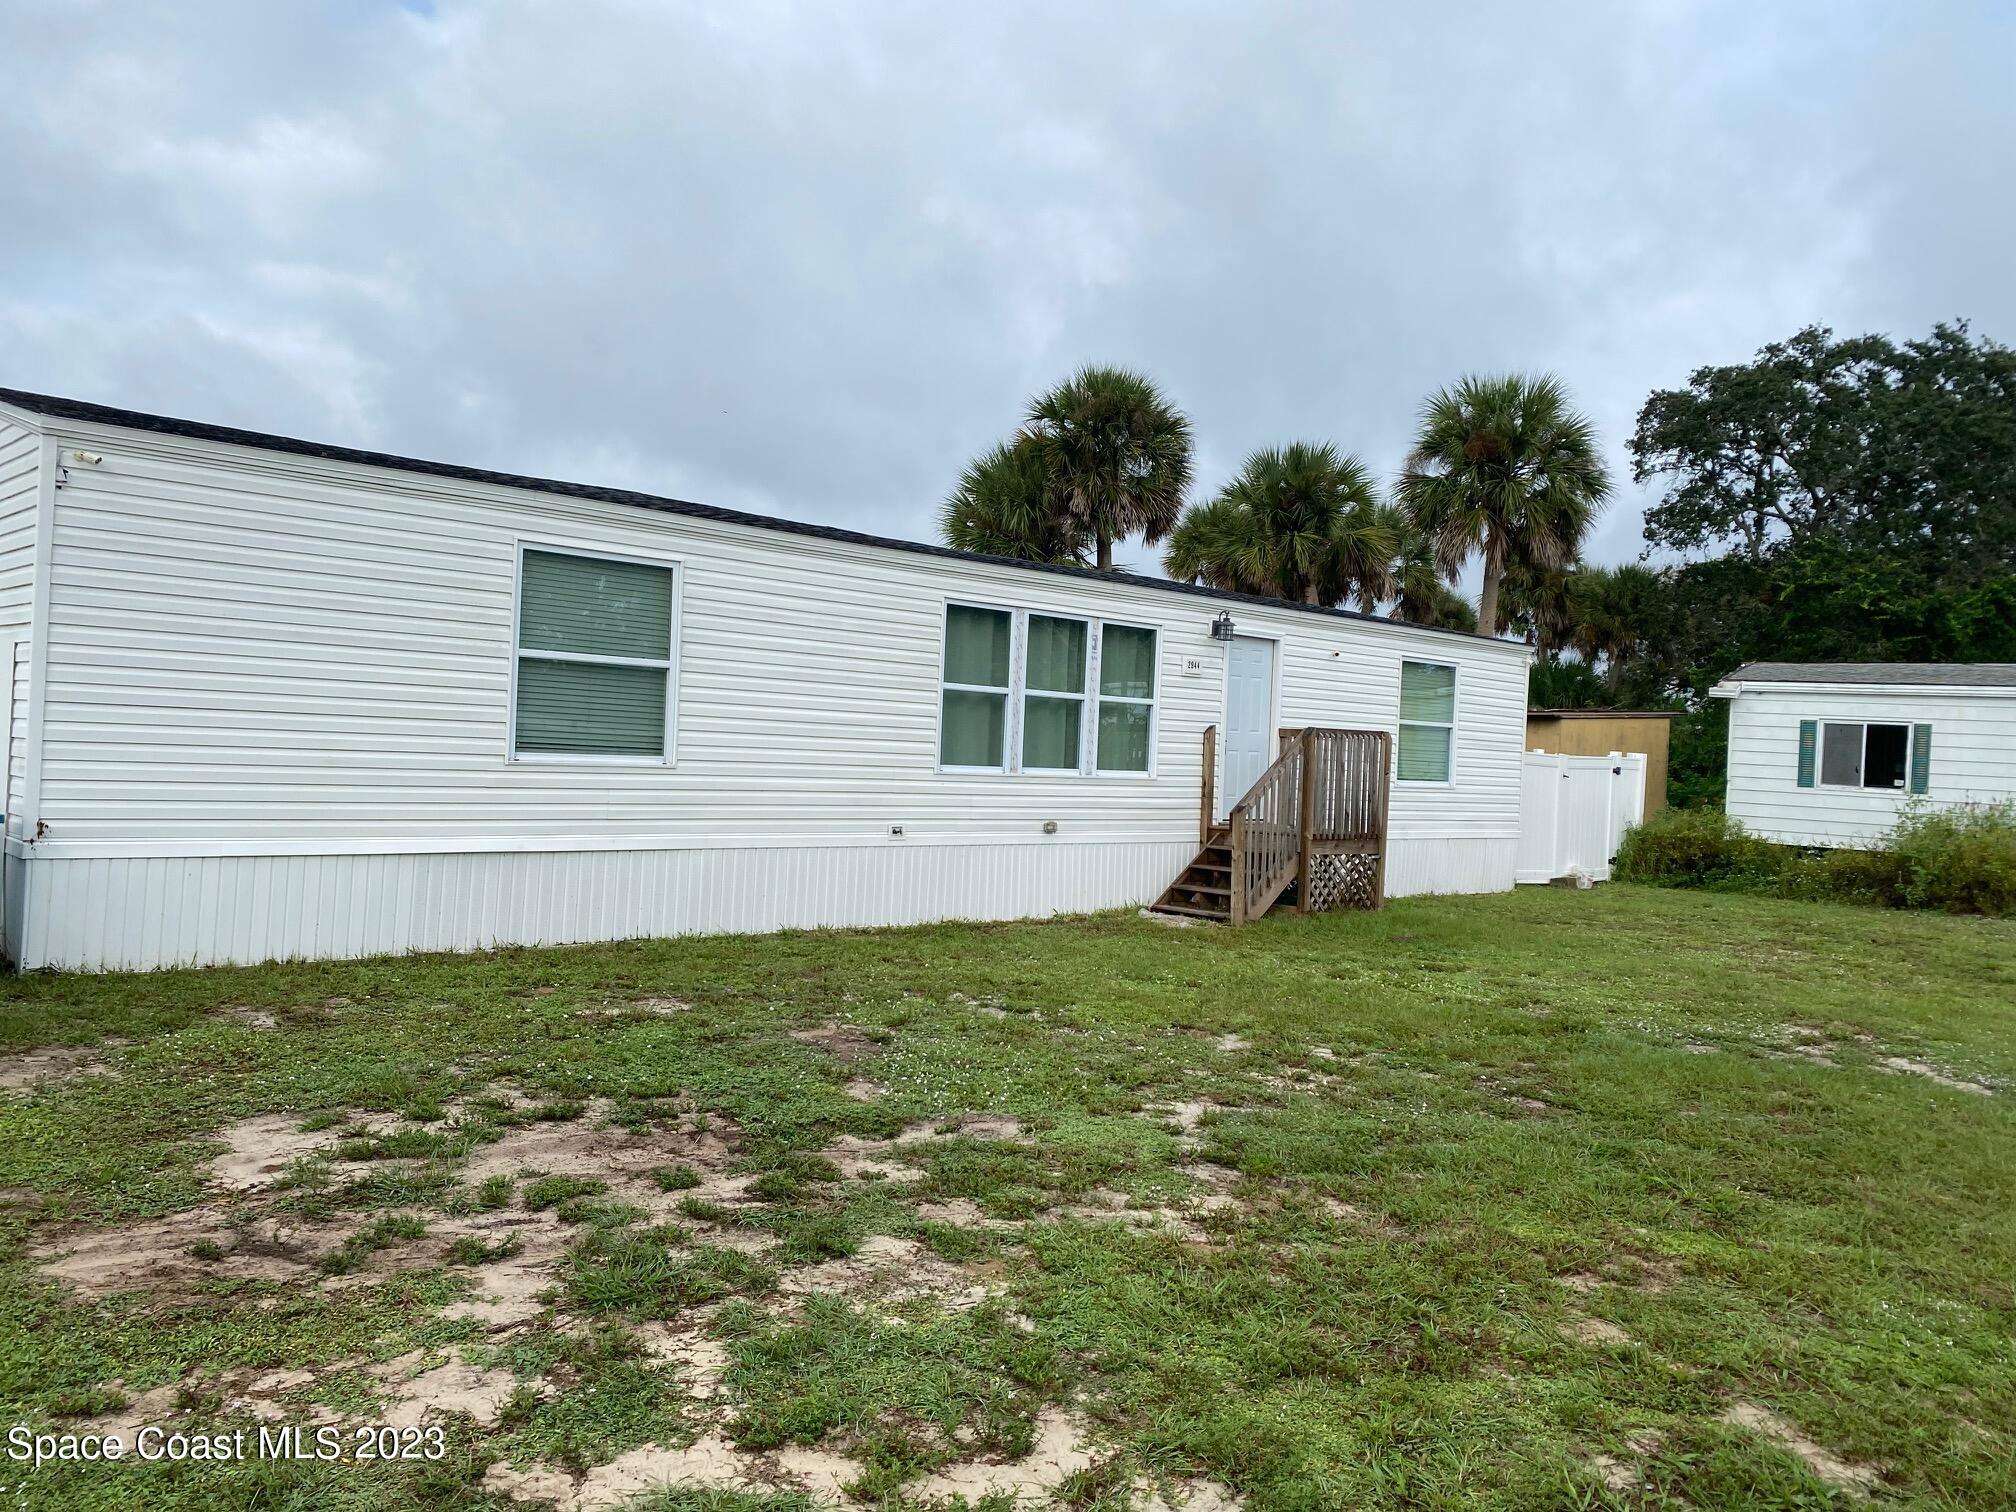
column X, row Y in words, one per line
column 1573, row 811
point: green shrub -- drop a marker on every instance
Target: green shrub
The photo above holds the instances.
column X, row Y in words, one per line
column 1962, row 860
column 1696, row 848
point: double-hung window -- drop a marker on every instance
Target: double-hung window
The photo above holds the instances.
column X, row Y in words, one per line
column 1043, row 693
column 1126, row 698
column 1427, row 722
column 594, row 657
column 1053, row 695
column 973, row 713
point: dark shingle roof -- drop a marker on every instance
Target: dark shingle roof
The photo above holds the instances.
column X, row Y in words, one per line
column 1883, row 674
column 164, row 425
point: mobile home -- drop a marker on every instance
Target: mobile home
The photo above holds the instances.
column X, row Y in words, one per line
column 1830, row 753
column 276, row 699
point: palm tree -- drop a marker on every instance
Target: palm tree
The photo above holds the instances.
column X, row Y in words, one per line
column 1609, row 608
column 1298, row 522
column 1421, row 595
column 1004, row 506
column 1534, row 601
column 1117, row 455
column 1503, row 466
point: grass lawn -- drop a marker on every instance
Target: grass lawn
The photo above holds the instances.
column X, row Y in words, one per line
column 1613, row 1198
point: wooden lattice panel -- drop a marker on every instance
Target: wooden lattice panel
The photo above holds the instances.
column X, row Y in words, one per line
column 1343, row 881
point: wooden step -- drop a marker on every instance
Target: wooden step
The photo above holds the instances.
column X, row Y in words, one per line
column 1200, row 887
column 1195, row 913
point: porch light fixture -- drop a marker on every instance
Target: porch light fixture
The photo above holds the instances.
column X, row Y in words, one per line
column 1221, row 627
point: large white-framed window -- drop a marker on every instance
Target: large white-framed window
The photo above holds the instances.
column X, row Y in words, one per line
column 1864, row 755
column 1027, row 692
column 977, row 680
column 1426, row 749
column 1125, row 742
column 593, row 662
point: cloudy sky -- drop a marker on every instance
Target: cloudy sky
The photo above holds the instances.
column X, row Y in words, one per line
column 808, row 259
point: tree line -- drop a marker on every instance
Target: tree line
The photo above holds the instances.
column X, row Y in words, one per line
column 1833, row 499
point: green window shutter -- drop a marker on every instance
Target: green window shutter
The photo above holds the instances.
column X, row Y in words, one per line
column 1921, row 758
column 1428, row 692
column 592, row 607
column 1809, row 737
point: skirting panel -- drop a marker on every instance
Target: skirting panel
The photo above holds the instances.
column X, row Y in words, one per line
column 146, row 913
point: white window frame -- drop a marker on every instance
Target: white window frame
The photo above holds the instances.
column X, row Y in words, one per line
column 1455, row 671
column 670, row 665
column 1018, row 694
column 1153, row 700
column 1820, row 756
column 1010, row 724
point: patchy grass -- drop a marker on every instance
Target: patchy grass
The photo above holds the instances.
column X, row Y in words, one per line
column 1629, row 1197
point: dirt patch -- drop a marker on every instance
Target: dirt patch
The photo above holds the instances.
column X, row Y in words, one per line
column 511, row 1290
column 258, row 1151
column 1233, row 1044
column 1904, row 1065
column 700, row 1360
column 250, row 1015
column 1187, row 1496
column 455, row 1387
column 158, row 1254
column 894, row 1271
column 1062, row 1448
column 863, row 1090
column 843, row 1042
column 26, row 1069
column 1582, row 1281
column 1621, row 1474
column 1596, row 1333
column 1824, row 1464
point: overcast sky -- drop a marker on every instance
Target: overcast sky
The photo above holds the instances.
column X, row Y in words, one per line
column 808, row 259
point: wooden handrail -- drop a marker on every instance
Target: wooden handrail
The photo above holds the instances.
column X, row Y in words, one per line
column 1207, row 807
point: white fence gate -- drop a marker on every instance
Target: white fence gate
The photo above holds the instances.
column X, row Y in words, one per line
column 1573, row 811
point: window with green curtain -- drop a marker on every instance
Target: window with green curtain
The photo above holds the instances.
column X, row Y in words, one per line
column 1053, row 701
column 973, row 722
column 1126, row 697
column 594, row 656
column 1427, row 722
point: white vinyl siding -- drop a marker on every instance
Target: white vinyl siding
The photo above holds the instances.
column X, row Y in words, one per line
column 1426, row 746
column 594, row 674
column 20, row 476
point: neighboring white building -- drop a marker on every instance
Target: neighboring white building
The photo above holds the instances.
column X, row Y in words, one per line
column 275, row 699
column 1829, row 753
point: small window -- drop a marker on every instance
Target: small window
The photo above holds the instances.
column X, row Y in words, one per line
column 594, row 657
column 1053, row 697
column 1126, row 698
column 1427, row 722
column 1864, row 755
column 973, row 729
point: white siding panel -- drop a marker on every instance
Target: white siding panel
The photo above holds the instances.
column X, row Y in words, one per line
column 20, row 477
column 115, row 914
column 1973, row 761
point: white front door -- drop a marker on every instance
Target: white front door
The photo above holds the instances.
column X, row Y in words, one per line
column 1249, row 718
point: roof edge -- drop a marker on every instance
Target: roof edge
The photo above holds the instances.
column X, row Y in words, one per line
column 53, row 407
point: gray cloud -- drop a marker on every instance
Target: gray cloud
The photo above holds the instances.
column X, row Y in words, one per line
column 809, row 259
